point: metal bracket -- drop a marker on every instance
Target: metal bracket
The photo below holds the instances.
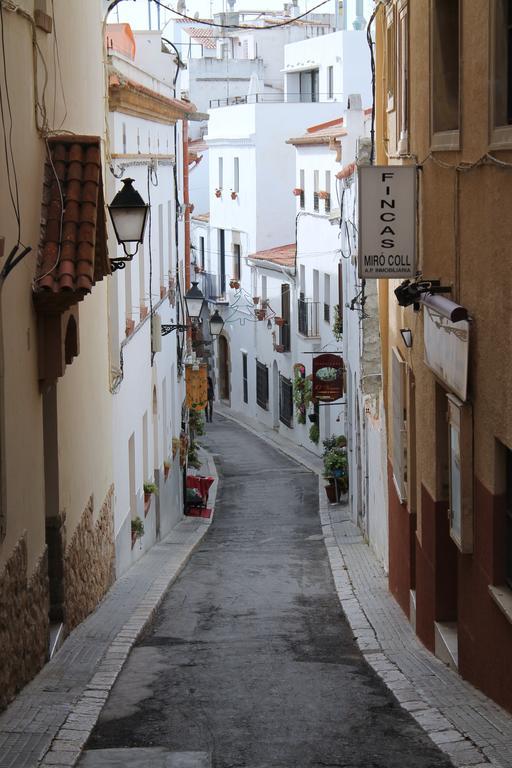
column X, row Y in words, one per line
column 175, row 327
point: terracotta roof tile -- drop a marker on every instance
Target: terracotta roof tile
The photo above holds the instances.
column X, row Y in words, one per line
column 284, row 255
column 203, row 34
column 73, row 249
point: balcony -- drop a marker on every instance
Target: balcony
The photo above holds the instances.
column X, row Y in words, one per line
column 307, row 312
column 213, row 286
column 269, row 98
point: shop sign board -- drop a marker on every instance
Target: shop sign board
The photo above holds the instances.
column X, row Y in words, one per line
column 197, row 387
column 387, row 221
column 447, row 350
column 327, row 377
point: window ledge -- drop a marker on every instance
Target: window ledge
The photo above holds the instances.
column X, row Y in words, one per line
column 445, row 141
column 502, row 596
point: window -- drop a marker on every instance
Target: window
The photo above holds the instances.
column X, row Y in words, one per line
column 245, row 383
column 284, row 330
column 221, row 173
column 330, row 82
column 308, row 85
column 222, row 262
column 460, row 461
column 303, row 189
column 403, row 71
column 124, row 138
column 501, row 72
column 161, row 242
column 444, row 96
column 236, row 174
column 262, row 385
column 316, row 183
column 264, row 295
column 285, row 401
column 399, row 421
column 390, row 57
column 237, row 263
column 327, row 298
column 201, row 252
column 327, row 199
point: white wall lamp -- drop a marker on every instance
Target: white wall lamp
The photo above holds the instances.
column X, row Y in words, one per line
column 216, row 324
column 406, row 334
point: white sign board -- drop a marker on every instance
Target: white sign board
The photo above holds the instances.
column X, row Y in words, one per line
column 447, row 350
column 387, row 221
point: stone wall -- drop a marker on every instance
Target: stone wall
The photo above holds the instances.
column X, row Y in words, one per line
column 23, row 621
column 89, row 562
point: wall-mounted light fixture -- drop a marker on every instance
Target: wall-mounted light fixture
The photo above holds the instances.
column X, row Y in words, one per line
column 216, row 324
column 194, row 299
column 406, row 334
column 410, row 292
column 129, row 214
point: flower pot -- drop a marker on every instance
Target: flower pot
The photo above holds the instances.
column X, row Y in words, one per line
column 129, row 326
column 279, row 321
column 330, row 491
column 313, row 417
column 279, row 347
column 234, row 284
column 234, row 195
column 163, row 291
column 297, row 191
column 255, row 299
column 260, row 314
column 218, row 193
column 143, row 312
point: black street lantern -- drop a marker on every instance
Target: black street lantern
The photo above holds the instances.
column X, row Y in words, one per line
column 129, row 214
column 216, row 324
column 194, row 300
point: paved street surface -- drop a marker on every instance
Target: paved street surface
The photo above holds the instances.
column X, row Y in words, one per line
column 250, row 662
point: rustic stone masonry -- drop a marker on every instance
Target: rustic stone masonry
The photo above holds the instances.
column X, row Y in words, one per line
column 89, row 563
column 23, row 621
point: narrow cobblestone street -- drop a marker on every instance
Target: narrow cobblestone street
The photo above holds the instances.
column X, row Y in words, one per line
column 250, row 659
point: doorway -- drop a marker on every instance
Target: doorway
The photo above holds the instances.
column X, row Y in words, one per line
column 224, row 383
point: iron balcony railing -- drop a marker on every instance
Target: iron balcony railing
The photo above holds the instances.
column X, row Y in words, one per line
column 275, row 98
column 307, row 312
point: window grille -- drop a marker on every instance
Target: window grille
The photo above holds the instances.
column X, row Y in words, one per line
column 245, row 382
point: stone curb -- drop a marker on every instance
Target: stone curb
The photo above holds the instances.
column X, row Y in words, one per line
column 69, row 741
column 459, row 747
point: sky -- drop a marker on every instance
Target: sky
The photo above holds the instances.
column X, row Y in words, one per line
column 136, row 13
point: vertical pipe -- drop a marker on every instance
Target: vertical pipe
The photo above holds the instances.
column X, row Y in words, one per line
column 186, row 201
column 149, row 13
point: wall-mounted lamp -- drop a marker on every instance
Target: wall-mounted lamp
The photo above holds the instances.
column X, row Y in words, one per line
column 410, row 292
column 406, row 336
column 129, row 214
column 216, row 324
column 195, row 302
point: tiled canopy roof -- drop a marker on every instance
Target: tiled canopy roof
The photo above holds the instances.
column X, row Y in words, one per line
column 283, row 255
column 73, row 252
column 203, row 35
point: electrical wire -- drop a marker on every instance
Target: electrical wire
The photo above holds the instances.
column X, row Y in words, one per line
column 372, row 66
column 10, row 164
column 237, row 26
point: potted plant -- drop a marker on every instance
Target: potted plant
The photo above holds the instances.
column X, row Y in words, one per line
column 336, row 466
column 302, row 392
column 193, row 458
column 260, row 313
column 218, row 192
column 137, row 529
column 337, row 327
column 255, row 299
column 234, row 195
column 233, row 283
column 279, row 347
column 297, row 191
column 314, row 433
column 149, row 489
column 279, row 321
column 167, row 468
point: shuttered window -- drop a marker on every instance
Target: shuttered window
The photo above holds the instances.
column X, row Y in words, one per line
column 262, row 385
column 399, row 424
column 286, row 401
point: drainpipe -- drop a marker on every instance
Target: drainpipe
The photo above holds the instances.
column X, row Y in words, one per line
column 186, row 201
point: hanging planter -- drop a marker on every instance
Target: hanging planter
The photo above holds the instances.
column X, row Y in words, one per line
column 256, row 299
column 234, row 284
column 218, row 193
column 297, row 191
column 260, row 314
column 279, row 321
column 279, row 347
column 234, row 195
column 313, row 417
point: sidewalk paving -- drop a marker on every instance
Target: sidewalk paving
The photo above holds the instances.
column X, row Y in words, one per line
column 472, row 729
column 50, row 720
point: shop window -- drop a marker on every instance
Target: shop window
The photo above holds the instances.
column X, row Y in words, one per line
column 460, row 460
column 501, row 72
column 444, row 94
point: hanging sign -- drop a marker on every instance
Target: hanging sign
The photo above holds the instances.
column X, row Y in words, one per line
column 387, row 221
column 327, row 377
column 197, row 387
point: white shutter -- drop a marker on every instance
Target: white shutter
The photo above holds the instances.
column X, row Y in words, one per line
column 399, row 427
